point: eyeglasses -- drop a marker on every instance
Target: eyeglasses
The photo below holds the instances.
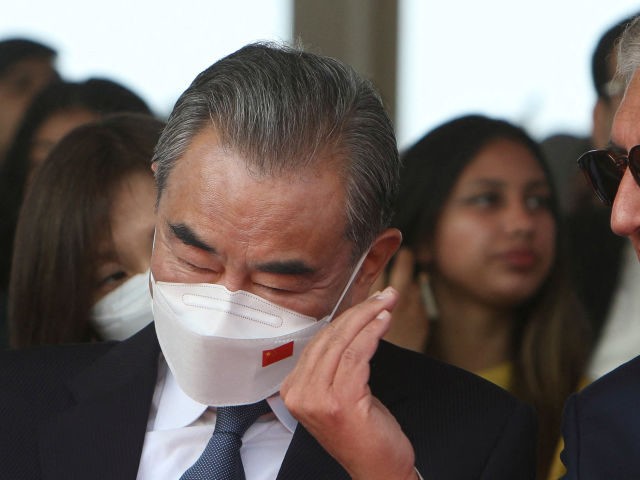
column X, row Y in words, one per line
column 604, row 170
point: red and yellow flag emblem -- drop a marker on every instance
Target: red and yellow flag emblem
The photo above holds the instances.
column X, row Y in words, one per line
column 276, row 354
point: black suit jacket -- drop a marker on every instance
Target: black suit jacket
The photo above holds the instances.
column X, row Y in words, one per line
column 601, row 427
column 80, row 412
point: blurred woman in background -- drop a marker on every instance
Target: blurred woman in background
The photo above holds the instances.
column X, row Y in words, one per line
column 53, row 112
column 84, row 237
column 482, row 272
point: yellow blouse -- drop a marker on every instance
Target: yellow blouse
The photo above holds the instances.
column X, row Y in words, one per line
column 501, row 375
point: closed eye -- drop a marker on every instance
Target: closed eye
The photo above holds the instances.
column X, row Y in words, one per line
column 112, row 278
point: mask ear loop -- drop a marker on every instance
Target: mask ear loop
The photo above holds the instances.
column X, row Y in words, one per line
column 346, row 288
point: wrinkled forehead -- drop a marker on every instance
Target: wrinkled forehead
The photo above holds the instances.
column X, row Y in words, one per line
column 262, row 161
column 258, row 159
column 210, row 172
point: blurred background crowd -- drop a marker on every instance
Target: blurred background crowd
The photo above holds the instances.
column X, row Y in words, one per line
column 493, row 105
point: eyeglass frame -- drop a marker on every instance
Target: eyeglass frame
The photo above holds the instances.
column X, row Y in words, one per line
column 620, row 162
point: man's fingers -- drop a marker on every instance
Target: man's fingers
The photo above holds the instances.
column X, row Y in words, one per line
column 352, row 372
column 324, row 352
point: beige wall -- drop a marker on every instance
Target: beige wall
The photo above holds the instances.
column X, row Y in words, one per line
column 362, row 33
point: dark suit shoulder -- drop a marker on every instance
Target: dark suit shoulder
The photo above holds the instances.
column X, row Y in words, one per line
column 403, row 370
column 600, row 427
column 619, row 385
column 461, row 426
column 51, row 360
column 35, row 371
column 607, row 406
column 76, row 408
column 33, row 382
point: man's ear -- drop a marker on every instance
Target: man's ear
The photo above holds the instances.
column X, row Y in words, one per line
column 382, row 249
column 154, row 167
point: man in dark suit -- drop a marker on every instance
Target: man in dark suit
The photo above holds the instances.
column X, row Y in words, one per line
column 276, row 174
column 601, row 425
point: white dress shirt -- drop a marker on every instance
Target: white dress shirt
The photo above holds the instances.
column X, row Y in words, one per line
column 179, row 428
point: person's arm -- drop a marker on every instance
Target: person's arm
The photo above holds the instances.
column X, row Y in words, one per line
column 328, row 393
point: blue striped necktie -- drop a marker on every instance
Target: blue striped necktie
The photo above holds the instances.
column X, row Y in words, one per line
column 221, row 457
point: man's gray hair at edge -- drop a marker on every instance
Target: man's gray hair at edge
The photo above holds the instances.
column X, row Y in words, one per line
column 629, row 51
column 282, row 109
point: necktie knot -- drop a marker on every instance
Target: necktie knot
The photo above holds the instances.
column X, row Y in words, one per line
column 237, row 419
column 221, row 457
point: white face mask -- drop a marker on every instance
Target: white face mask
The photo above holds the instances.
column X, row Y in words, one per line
column 125, row 310
column 230, row 348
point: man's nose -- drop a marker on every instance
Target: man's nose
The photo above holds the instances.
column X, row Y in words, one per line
column 233, row 281
column 625, row 213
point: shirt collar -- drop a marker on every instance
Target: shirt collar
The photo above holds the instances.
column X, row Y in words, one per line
column 282, row 414
column 176, row 409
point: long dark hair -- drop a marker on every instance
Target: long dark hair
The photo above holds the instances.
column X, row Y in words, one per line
column 64, row 218
column 550, row 342
column 96, row 95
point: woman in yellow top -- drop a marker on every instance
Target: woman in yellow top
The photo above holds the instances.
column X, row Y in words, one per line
column 482, row 274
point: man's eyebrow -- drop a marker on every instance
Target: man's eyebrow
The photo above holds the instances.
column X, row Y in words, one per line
column 286, row 267
column 187, row 236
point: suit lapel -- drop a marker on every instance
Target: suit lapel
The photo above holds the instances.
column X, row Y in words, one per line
column 306, row 459
column 388, row 379
column 100, row 436
column 102, row 433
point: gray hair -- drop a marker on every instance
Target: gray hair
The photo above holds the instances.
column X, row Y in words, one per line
column 629, row 51
column 282, row 110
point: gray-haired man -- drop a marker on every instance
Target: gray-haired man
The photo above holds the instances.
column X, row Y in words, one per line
column 277, row 173
column 601, row 425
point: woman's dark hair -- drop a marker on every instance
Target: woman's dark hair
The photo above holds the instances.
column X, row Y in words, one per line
column 96, row 95
column 549, row 345
column 14, row 50
column 64, row 218
column 432, row 166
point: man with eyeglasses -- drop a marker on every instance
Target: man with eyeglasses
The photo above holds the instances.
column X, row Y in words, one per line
column 602, row 269
column 601, row 424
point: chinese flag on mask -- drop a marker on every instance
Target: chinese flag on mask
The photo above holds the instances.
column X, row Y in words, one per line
column 276, row 354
